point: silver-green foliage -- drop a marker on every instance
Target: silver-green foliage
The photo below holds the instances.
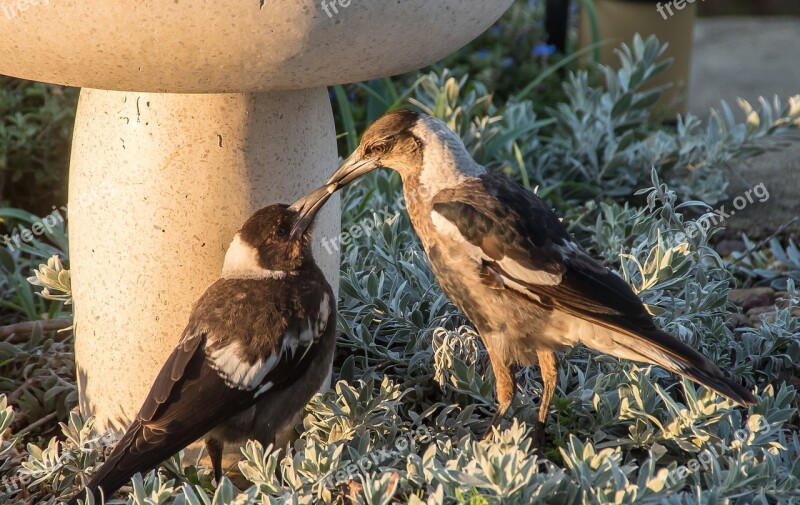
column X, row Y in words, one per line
column 412, row 387
column 601, row 142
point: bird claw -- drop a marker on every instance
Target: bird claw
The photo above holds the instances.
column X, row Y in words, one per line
column 538, row 436
column 496, row 418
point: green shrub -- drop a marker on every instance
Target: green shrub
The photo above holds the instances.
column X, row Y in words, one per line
column 36, row 122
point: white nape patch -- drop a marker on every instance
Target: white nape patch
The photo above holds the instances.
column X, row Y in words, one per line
column 517, row 271
column 446, row 161
column 241, row 262
column 237, row 373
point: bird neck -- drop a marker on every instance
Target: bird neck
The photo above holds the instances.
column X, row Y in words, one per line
column 242, row 262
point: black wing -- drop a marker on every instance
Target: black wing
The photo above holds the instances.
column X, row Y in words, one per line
column 210, row 377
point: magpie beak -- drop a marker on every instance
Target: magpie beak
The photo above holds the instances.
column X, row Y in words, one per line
column 351, row 169
column 308, row 206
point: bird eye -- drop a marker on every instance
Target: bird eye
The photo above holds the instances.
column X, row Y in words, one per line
column 282, row 230
column 376, row 149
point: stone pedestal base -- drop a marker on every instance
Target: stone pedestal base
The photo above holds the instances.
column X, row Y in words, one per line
column 159, row 184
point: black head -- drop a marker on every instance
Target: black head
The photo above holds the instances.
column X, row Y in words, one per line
column 269, row 233
column 275, row 238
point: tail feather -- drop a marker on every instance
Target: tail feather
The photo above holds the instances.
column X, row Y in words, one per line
column 109, row 476
column 662, row 349
column 132, row 454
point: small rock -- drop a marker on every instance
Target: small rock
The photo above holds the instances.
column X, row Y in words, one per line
column 737, row 320
column 753, row 301
column 758, row 311
column 752, row 297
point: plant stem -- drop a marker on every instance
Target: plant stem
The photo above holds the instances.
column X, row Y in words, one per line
column 27, row 327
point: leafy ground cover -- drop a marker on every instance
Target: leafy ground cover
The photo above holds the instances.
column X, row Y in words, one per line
column 412, row 385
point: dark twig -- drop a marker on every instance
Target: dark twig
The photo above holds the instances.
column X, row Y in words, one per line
column 46, row 419
column 27, row 327
column 764, row 242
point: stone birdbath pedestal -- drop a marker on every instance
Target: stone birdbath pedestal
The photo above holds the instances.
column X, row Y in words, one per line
column 193, row 114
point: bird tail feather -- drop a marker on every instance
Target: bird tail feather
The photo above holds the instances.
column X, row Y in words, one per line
column 110, row 476
column 662, row 349
column 132, row 454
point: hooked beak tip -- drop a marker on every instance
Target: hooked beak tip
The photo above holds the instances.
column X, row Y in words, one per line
column 308, row 206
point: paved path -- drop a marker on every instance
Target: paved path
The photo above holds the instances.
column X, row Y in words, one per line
column 752, row 57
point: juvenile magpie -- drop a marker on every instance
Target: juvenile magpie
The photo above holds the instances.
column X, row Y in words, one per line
column 259, row 343
column 504, row 258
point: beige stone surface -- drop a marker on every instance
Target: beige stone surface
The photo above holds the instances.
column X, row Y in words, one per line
column 621, row 20
column 162, row 178
column 215, row 46
column 159, row 184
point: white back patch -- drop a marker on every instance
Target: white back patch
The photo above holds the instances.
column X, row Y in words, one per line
column 241, row 262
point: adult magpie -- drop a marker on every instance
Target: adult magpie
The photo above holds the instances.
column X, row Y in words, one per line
column 504, row 258
column 259, row 343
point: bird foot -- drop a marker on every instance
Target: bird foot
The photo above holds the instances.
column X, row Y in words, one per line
column 496, row 419
column 538, row 436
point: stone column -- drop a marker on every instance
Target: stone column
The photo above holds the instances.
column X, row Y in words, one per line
column 159, row 184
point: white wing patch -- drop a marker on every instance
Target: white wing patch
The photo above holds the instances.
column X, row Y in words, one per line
column 263, row 389
column 310, row 331
column 237, row 373
column 323, row 314
column 513, row 268
column 241, row 262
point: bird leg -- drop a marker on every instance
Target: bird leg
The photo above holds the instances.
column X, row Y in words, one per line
column 506, row 388
column 214, row 448
column 547, row 365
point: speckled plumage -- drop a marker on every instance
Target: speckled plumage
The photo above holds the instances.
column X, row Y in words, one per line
column 504, row 258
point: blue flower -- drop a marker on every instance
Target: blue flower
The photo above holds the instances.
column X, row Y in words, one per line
column 483, row 53
column 507, row 62
column 543, row 49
